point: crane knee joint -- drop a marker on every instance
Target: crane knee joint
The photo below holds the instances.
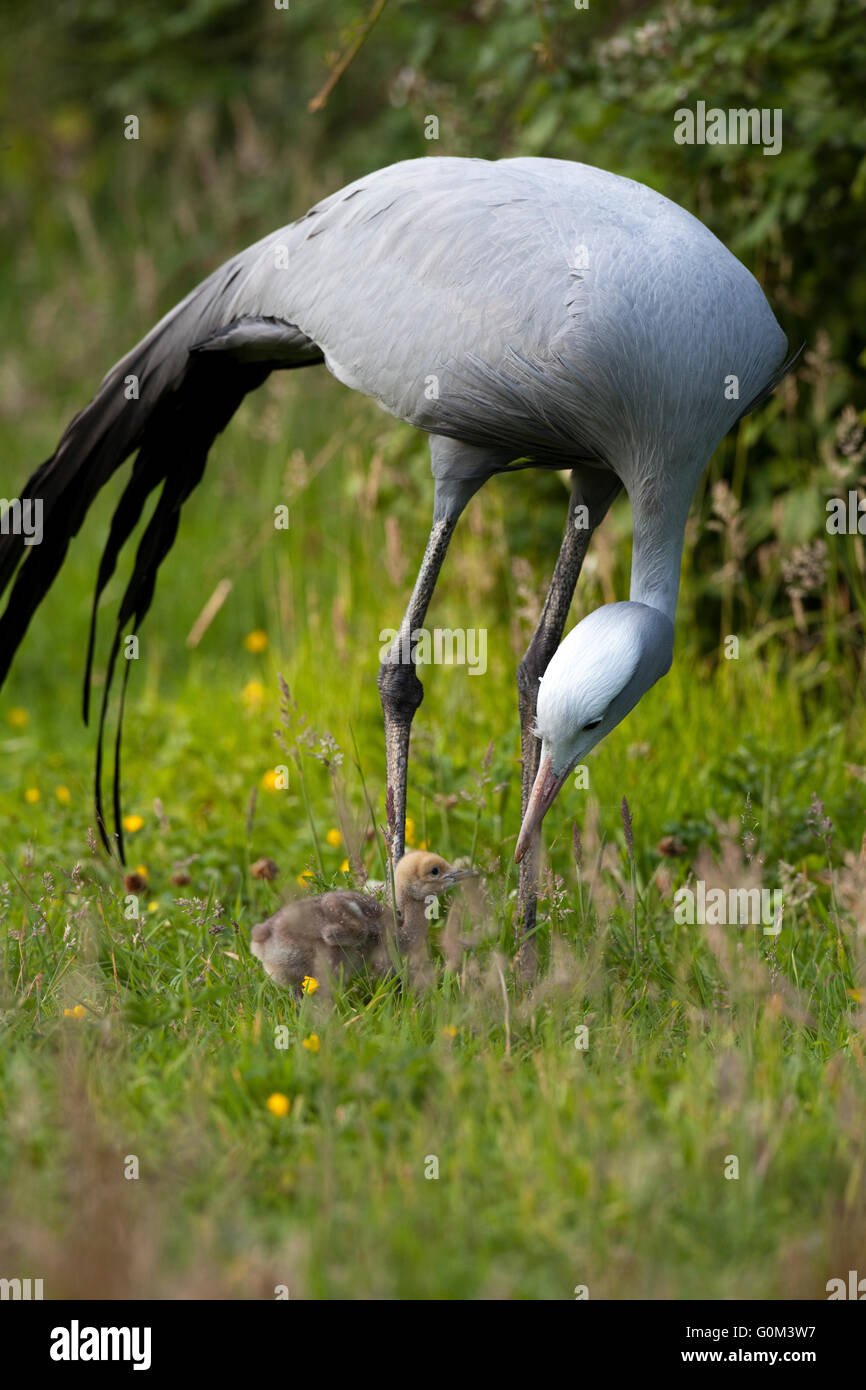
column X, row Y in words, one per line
column 400, row 689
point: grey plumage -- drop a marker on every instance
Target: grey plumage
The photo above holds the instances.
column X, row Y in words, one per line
column 526, row 312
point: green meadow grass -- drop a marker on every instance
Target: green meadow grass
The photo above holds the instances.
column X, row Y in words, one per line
column 559, row 1166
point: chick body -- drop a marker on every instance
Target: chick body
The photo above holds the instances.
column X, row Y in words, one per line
column 343, row 932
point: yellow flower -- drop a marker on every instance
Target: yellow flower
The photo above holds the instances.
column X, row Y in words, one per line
column 305, row 878
column 78, row 1012
column 256, row 641
column 311, row 1043
column 153, row 907
column 141, row 870
column 63, row 794
column 31, row 795
column 344, row 867
column 133, row 823
column 309, row 984
column 449, row 1031
column 18, row 717
column 334, row 838
column 422, row 844
column 410, row 831
column 253, row 694
column 270, row 779
column 278, row 1104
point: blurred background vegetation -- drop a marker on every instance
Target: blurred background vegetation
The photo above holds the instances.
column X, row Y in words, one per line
column 247, row 115
column 230, row 148
column 701, row 1043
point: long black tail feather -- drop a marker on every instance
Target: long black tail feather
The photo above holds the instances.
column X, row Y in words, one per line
column 185, row 399
column 175, row 454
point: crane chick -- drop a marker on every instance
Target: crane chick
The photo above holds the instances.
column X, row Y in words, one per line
column 342, row 931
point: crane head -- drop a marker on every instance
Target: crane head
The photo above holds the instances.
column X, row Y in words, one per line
column 596, row 676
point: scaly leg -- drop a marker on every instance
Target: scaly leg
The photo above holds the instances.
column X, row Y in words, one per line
column 400, row 690
column 399, row 687
column 594, row 490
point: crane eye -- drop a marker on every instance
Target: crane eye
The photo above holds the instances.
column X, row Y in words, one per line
column 593, row 723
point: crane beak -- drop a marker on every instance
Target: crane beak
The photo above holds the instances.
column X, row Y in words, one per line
column 457, row 876
column 544, row 791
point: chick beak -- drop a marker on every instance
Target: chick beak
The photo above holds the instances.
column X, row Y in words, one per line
column 544, row 790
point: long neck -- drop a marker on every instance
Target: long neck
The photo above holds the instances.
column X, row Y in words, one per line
column 412, row 923
column 657, row 555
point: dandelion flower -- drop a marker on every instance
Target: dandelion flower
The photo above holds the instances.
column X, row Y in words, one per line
column 18, row 717
column 311, row 1043
column 256, row 641
column 153, row 907
column 272, row 781
column 253, row 694
column 31, row 796
column 410, row 831
column 132, row 823
column 78, row 1012
column 344, row 867
column 305, row 878
column 278, row 1104
column 63, row 794
column 334, row 838
column 309, row 985
column 449, row 1031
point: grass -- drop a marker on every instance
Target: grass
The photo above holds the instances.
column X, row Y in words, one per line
column 156, row 1038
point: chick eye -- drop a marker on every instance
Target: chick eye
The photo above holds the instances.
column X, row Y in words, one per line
column 434, row 871
column 593, row 723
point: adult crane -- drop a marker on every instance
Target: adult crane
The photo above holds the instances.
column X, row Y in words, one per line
column 525, row 313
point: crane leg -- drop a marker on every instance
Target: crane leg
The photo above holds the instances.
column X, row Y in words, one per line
column 592, row 492
column 400, row 689
column 460, row 470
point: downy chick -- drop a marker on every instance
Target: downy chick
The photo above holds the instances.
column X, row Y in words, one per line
column 346, row 931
